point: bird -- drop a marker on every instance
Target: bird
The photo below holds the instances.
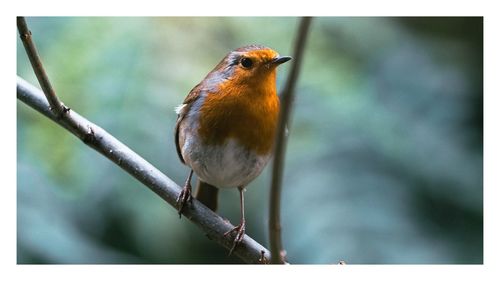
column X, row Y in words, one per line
column 226, row 127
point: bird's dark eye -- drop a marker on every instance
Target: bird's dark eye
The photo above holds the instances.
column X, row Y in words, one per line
column 246, row 62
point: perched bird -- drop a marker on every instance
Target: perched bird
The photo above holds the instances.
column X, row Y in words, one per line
column 226, row 126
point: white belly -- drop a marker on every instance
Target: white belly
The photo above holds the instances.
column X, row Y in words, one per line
column 227, row 165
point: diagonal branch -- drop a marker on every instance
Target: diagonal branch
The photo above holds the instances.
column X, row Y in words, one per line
column 92, row 135
column 55, row 105
column 287, row 97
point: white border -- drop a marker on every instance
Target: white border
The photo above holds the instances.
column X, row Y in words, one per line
column 240, row 8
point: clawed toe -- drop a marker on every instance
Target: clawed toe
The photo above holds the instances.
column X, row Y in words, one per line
column 184, row 197
column 240, row 233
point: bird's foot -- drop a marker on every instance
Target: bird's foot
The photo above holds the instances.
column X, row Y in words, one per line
column 240, row 233
column 184, row 197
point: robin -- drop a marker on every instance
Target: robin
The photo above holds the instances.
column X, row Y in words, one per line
column 226, row 126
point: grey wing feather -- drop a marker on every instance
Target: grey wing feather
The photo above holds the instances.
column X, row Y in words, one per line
column 180, row 116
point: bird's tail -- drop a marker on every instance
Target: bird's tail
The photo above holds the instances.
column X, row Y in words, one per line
column 207, row 194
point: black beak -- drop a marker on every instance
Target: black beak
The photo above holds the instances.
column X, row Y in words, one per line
column 280, row 60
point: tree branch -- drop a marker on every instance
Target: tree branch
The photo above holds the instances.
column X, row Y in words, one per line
column 92, row 135
column 286, row 101
column 55, row 105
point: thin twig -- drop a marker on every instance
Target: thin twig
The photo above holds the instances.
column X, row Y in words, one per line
column 92, row 135
column 55, row 105
column 287, row 97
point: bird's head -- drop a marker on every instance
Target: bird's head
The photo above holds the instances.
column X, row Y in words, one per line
column 252, row 64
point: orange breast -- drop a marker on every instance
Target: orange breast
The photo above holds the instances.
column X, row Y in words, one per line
column 245, row 111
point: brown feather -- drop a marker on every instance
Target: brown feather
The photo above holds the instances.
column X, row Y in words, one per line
column 191, row 97
column 207, row 194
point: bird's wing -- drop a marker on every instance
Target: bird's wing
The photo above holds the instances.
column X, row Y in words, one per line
column 182, row 111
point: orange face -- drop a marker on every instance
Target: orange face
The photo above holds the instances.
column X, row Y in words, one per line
column 255, row 67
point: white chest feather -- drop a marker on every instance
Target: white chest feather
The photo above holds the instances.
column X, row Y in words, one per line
column 227, row 165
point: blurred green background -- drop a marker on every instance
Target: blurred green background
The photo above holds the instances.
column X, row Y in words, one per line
column 384, row 162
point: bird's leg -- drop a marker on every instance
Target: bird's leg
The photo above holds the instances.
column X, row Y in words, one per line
column 240, row 229
column 185, row 194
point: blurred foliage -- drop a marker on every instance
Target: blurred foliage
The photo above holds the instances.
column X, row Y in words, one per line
column 384, row 162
